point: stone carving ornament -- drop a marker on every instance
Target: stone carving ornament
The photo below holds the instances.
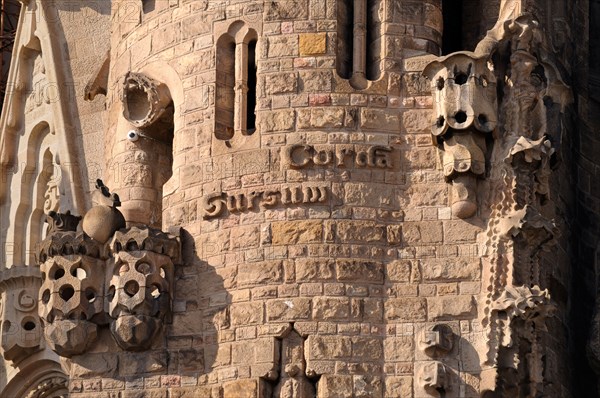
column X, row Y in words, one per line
column 125, row 282
column 465, row 109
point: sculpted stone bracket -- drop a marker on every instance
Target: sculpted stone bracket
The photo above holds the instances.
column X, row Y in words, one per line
column 465, row 110
column 21, row 329
column 125, row 282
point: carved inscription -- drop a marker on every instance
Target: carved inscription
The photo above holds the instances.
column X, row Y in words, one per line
column 362, row 156
column 213, row 205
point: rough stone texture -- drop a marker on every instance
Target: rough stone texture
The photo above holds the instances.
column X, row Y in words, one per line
column 324, row 229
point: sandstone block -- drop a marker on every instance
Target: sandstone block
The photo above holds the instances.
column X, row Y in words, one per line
column 316, row 81
column 247, row 388
column 266, row 272
column 280, row 83
column 373, row 310
column 399, row 349
column 276, row 121
column 398, row 387
column 379, row 119
column 367, row 386
column 310, row 270
column 295, row 232
column 422, row 232
column 417, row 121
column 407, row 309
column 366, row 348
column 337, row 386
column 460, row 231
column 288, row 310
column 246, row 313
column 361, row 232
column 327, row 308
column 359, row 271
column 313, row 43
column 400, row 270
column 329, row 347
column 450, row 307
column 452, row 268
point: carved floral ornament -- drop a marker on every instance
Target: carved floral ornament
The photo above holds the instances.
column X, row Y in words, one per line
column 125, row 283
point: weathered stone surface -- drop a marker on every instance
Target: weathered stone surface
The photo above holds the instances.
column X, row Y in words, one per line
column 359, row 271
column 288, row 310
column 313, row 43
column 399, row 349
column 406, row 309
column 452, row 268
column 449, row 307
column 293, row 232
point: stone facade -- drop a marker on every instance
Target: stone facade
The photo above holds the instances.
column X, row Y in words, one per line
column 299, row 198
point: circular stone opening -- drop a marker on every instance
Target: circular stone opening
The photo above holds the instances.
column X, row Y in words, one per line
column 29, row 325
column 59, row 273
column 155, row 291
column 460, row 117
column 66, row 292
column 482, row 118
column 461, row 78
column 90, row 295
column 131, row 288
column 138, row 105
column 111, row 293
column 79, row 273
column 46, row 296
column 143, row 268
column 440, row 83
column 440, row 122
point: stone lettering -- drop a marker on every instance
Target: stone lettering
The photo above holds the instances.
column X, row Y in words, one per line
column 213, row 205
column 374, row 156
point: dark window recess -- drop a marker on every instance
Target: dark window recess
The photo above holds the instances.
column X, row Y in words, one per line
column 345, row 38
column 225, row 94
column 251, row 95
column 452, row 39
column 148, row 6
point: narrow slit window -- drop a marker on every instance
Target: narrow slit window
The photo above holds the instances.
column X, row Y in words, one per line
column 225, row 93
column 251, row 94
column 358, row 41
column 452, row 39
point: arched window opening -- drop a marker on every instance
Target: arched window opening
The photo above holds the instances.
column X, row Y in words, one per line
column 225, row 94
column 236, row 82
column 359, row 41
column 251, row 94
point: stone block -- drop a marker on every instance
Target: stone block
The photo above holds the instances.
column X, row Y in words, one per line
column 450, row 307
column 335, row 386
column 422, row 232
column 296, row 232
column 274, row 121
column 399, row 349
column 361, row 232
column 363, row 271
column 289, row 310
column 366, row 348
column 460, row 231
column 400, row 270
column 417, row 121
column 283, row 46
column 245, row 388
column 311, row 270
column 452, row 268
column 259, row 273
column 246, row 313
column 280, row 83
column 407, row 309
column 380, row 119
column 328, row 308
column 329, row 347
column 398, row 387
column 313, row 43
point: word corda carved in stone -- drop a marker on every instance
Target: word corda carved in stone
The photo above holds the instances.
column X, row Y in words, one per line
column 436, row 340
column 213, row 205
column 20, row 327
column 141, row 285
column 375, row 156
column 465, row 109
column 101, row 222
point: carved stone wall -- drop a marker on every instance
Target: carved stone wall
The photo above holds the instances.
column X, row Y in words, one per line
column 328, row 246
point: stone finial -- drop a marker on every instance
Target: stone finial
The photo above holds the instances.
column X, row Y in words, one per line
column 101, row 222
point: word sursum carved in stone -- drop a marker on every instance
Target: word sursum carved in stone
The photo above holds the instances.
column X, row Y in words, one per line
column 375, row 156
column 213, row 205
